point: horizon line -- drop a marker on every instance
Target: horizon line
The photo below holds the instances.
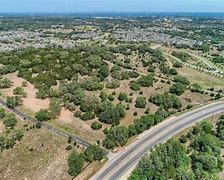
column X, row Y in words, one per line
column 88, row 12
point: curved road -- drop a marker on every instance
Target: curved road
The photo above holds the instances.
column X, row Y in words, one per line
column 122, row 162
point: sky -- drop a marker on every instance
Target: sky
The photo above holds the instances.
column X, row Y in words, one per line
column 69, row 6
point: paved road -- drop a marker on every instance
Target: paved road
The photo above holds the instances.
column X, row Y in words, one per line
column 47, row 126
column 193, row 66
column 120, row 163
column 208, row 63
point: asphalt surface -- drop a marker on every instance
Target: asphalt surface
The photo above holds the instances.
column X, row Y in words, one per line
column 193, row 66
column 25, row 117
column 122, row 162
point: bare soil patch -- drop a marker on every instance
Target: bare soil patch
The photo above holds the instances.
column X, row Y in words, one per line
column 31, row 102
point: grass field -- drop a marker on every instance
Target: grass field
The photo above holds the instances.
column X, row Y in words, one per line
column 203, row 79
column 39, row 155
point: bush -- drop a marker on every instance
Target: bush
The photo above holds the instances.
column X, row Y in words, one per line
column 5, row 83
column 87, row 116
column 104, row 72
column 135, row 86
column 77, row 113
column 196, row 88
column 122, row 97
column 42, row 115
column 75, row 163
column 68, row 148
column 90, row 103
column 38, row 125
column 140, row 102
column 113, row 84
column 183, row 139
column 94, row 153
column 103, row 96
column 178, row 88
column 181, row 79
column 96, row 125
column 111, row 114
column 166, row 100
column 111, row 97
column 14, row 101
column 146, row 81
column 24, row 83
column 117, row 136
column 92, row 85
column 19, row 91
column 2, row 113
column 10, row 121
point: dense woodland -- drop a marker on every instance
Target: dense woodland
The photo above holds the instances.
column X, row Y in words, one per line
column 196, row 155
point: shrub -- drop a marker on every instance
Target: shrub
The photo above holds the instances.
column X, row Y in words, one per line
column 42, row 115
column 111, row 97
column 94, row 153
column 181, row 79
column 5, row 83
column 135, row 86
column 38, row 125
column 87, row 116
column 146, row 81
column 14, row 101
column 113, row 84
column 96, row 125
column 2, row 113
column 178, row 88
column 10, row 121
column 166, row 100
column 183, row 139
column 111, row 114
column 90, row 103
column 75, row 163
column 122, row 97
column 19, row 91
column 77, row 113
column 68, row 148
column 140, row 102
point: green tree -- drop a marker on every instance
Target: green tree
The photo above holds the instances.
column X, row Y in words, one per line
column 104, row 72
column 75, row 163
column 42, row 115
column 122, row 97
column 2, row 113
column 10, row 121
column 178, row 88
column 94, row 153
column 140, row 102
column 14, row 101
column 117, row 136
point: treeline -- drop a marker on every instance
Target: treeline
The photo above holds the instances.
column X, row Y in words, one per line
column 10, row 136
column 181, row 55
column 77, row 160
column 196, row 155
column 119, row 135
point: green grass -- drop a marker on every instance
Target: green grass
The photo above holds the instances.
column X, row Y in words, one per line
column 63, row 127
column 203, row 79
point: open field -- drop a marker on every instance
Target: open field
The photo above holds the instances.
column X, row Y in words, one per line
column 203, row 79
column 39, row 155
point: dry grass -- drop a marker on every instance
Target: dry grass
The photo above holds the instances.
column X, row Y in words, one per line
column 39, row 155
column 203, row 79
